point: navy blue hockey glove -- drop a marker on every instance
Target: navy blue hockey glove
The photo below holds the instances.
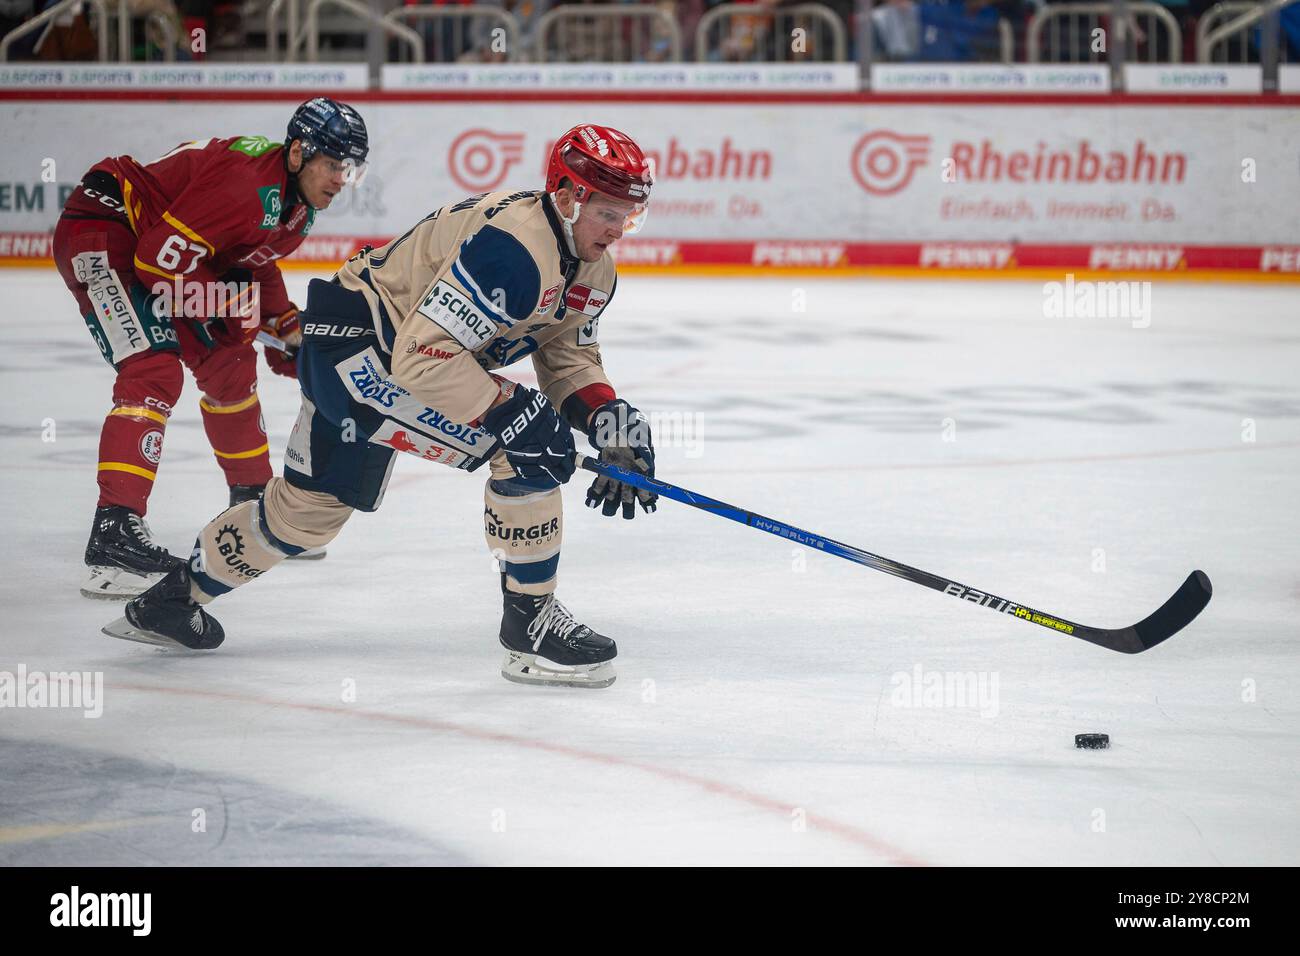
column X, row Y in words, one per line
column 622, row 436
column 537, row 443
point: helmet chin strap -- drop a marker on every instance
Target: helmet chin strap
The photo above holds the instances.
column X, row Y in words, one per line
column 568, row 222
column 295, row 188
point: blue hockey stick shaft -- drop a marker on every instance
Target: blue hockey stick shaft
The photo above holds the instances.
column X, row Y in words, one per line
column 1167, row 620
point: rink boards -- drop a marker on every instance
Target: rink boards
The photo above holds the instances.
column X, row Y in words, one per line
column 936, row 184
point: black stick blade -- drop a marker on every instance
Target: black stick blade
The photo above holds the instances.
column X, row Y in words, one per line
column 1167, row 620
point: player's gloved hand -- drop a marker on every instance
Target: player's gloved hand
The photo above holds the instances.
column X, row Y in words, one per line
column 537, row 443
column 238, row 317
column 285, row 328
column 622, row 436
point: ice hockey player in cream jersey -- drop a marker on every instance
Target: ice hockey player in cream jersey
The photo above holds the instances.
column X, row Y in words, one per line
column 398, row 354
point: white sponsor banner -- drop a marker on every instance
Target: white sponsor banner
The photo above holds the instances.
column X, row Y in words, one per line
column 827, row 172
column 185, row 76
column 1288, row 78
column 1193, row 78
column 592, row 77
column 989, row 78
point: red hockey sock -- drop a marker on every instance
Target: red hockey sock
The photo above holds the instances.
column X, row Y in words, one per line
column 130, row 444
column 130, row 448
column 238, row 439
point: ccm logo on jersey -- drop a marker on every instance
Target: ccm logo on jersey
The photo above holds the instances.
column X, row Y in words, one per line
column 585, row 299
column 445, row 306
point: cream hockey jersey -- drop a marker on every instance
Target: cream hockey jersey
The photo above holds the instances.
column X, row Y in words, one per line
column 477, row 286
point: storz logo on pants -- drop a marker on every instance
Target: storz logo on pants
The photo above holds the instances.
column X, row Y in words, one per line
column 366, row 379
column 369, row 384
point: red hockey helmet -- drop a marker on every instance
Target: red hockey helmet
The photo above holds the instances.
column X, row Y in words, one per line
column 603, row 160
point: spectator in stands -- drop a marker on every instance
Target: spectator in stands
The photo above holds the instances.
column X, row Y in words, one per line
column 67, row 37
column 819, row 45
column 13, row 13
column 156, row 13
column 896, row 25
column 1291, row 32
column 660, row 46
column 959, row 32
column 527, row 12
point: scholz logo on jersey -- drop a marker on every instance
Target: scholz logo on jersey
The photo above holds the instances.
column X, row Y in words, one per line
column 446, row 306
column 372, row 387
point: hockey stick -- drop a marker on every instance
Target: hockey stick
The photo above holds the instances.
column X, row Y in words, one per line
column 1170, row 618
column 271, row 342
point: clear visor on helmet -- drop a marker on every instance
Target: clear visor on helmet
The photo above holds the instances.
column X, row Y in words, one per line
column 348, row 169
column 629, row 216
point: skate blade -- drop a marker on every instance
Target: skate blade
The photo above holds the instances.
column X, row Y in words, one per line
column 117, row 584
column 126, row 631
column 528, row 669
column 311, row 554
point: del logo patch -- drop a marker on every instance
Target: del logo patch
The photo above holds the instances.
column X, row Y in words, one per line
column 585, row 299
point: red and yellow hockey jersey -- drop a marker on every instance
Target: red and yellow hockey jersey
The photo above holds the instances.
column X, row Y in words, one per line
column 210, row 206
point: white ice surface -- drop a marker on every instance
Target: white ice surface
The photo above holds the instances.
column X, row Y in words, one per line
column 756, row 716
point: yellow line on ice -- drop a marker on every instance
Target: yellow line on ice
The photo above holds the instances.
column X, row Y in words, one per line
column 50, row 831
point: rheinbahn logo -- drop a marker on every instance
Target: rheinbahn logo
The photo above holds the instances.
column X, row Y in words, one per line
column 883, row 161
column 479, row 160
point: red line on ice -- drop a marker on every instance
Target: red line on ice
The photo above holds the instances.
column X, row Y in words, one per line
column 844, row 831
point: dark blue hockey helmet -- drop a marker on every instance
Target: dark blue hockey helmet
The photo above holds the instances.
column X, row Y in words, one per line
column 327, row 126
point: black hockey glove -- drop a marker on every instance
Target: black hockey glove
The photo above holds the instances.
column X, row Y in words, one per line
column 622, row 436
column 537, row 443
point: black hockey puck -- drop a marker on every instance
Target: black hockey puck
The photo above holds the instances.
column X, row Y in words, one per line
column 1092, row 741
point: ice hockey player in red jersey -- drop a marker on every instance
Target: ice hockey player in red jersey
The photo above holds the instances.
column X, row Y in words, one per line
column 173, row 263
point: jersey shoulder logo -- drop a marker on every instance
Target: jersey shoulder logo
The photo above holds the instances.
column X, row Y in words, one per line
column 448, row 307
column 270, row 197
column 549, row 297
column 253, row 145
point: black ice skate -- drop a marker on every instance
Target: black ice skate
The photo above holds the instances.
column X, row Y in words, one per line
column 165, row 615
column 241, row 493
column 546, row 645
column 121, row 557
